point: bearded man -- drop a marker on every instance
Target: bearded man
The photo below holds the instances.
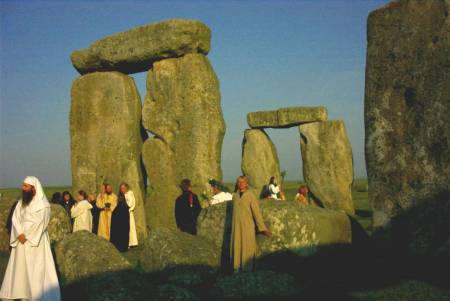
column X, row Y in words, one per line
column 106, row 202
column 31, row 272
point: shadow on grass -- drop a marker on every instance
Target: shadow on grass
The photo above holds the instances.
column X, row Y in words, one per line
column 335, row 272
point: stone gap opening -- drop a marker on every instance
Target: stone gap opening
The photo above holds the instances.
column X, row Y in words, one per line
column 287, row 143
column 140, row 79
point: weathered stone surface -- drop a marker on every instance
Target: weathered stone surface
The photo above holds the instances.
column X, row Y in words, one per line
column 5, row 207
column 58, row 227
column 328, row 163
column 106, row 137
column 259, row 284
column 137, row 49
column 167, row 249
column 82, row 255
column 91, row 268
column 163, row 190
column 182, row 109
column 407, row 110
column 259, row 160
column 286, row 117
column 296, row 228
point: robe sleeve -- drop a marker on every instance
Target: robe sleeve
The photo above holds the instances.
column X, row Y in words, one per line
column 40, row 219
column 131, row 201
column 274, row 189
column 80, row 208
column 257, row 216
column 113, row 201
column 16, row 227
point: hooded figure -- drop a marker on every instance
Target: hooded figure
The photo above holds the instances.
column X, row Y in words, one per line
column 31, row 272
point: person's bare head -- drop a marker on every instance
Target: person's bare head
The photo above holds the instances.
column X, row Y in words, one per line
column 241, row 184
column 216, row 189
column 303, row 190
column 108, row 188
column 28, row 192
column 186, row 185
column 82, row 195
column 91, row 198
column 124, row 188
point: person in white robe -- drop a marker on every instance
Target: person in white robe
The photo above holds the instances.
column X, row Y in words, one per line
column 31, row 272
column 219, row 193
column 275, row 190
column 81, row 213
column 131, row 202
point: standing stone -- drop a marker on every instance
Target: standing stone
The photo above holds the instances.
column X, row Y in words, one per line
column 259, row 160
column 182, row 109
column 407, row 119
column 328, row 163
column 106, row 138
column 137, row 49
column 163, row 189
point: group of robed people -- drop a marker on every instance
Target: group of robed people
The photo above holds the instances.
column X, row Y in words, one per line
column 31, row 272
column 108, row 215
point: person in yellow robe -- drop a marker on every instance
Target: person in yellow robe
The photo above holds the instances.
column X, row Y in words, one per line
column 106, row 202
column 246, row 217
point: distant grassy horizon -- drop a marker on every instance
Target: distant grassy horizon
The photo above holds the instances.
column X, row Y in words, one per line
column 14, row 192
column 363, row 212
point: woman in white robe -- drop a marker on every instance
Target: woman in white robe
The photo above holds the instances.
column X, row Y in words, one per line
column 31, row 272
column 131, row 202
column 81, row 213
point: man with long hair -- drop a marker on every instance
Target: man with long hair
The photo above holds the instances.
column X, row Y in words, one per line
column 31, row 272
column 246, row 217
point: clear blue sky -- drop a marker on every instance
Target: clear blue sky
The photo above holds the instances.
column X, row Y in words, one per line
column 267, row 54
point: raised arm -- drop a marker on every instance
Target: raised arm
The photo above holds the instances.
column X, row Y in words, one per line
column 100, row 202
column 79, row 209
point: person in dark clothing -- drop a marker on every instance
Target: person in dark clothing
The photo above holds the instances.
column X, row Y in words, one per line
column 120, row 224
column 56, row 198
column 187, row 208
column 95, row 213
column 67, row 202
column 8, row 225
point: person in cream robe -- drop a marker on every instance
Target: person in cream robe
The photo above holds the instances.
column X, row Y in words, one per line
column 131, row 202
column 81, row 213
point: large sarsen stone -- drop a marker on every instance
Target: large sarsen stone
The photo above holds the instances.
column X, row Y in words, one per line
column 135, row 50
column 182, row 109
column 286, row 117
column 296, row 228
column 105, row 131
column 259, row 160
column 407, row 117
column 328, row 163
